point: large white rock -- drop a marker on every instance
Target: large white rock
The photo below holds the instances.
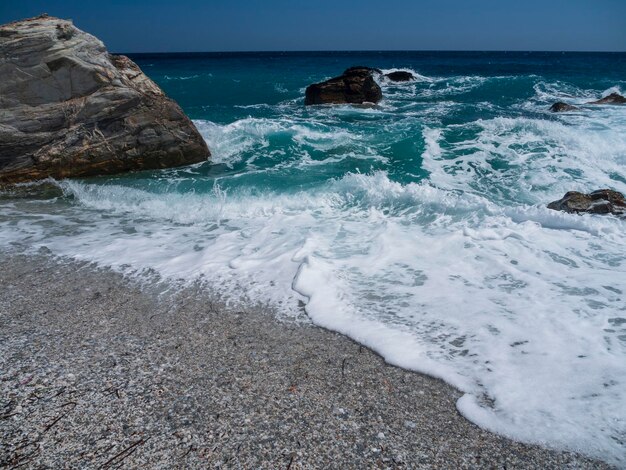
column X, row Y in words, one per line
column 69, row 108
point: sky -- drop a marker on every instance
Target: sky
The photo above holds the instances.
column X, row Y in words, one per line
column 288, row 25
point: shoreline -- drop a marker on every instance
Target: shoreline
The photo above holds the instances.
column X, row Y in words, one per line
column 98, row 371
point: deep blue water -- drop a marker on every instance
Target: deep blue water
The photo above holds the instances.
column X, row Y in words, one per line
column 418, row 227
column 251, row 78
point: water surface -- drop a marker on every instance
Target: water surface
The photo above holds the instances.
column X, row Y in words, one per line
column 417, row 227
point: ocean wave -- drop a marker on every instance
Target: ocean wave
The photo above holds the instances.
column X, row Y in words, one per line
column 249, row 138
column 418, row 227
column 525, row 160
column 436, row 280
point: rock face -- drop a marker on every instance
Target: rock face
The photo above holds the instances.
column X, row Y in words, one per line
column 69, row 108
column 602, row 201
column 400, row 76
column 561, row 107
column 613, row 98
column 355, row 86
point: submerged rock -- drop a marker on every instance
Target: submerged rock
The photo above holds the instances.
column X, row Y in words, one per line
column 613, row 98
column 69, row 108
column 400, row 76
column 602, row 201
column 561, row 107
column 355, row 86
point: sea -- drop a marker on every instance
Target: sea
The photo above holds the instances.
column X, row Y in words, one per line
column 418, row 227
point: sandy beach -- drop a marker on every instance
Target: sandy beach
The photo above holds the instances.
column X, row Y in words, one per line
column 98, row 372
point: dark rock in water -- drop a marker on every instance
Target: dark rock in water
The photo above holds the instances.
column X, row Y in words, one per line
column 613, row 98
column 561, row 107
column 69, row 108
column 400, row 76
column 355, row 86
column 602, row 201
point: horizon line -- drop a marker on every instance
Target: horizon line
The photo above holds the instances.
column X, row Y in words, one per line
column 309, row 51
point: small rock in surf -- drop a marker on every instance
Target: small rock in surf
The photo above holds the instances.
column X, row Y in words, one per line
column 400, row 76
column 355, row 86
column 561, row 107
column 602, row 201
column 613, row 98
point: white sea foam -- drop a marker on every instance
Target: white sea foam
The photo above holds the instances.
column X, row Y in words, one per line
column 614, row 89
column 280, row 88
column 536, row 154
column 452, row 86
column 522, row 308
column 418, row 76
column 465, row 276
column 429, row 88
column 549, row 92
column 188, row 77
column 424, row 87
column 231, row 142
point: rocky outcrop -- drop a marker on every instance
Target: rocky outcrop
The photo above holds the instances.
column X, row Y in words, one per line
column 602, row 201
column 400, row 76
column 69, row 108
column 561, row 107
column 613, row 98
column 355, row 86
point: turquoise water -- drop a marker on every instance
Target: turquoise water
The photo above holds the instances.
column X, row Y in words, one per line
column 417, row 227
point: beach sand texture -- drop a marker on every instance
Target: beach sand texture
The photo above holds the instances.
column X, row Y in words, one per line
column 98, row 372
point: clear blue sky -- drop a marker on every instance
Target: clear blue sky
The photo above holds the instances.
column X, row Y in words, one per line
column 257, row 25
